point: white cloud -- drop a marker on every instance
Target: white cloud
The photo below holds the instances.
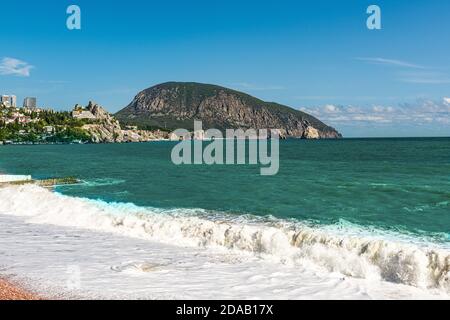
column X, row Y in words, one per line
column 382, row 109
column 329, row 108
column 420, row 112
column 391, row 62
column 12, row 66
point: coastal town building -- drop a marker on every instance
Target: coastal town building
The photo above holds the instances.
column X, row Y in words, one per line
column 49, row 129
column 199, row 135
column 30, row 102
column 30, row 110
column 20, row 118
column 9, row 100
column 5, row 100
column 13, row 100
column 174, row 136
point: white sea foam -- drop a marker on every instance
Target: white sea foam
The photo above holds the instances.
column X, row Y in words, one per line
column 102, row 182
column 347, row 250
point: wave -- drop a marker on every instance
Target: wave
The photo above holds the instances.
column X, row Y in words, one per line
column 102, row 182
column 344, row 248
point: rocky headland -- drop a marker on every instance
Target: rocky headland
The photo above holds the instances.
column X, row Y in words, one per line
column 106, row 129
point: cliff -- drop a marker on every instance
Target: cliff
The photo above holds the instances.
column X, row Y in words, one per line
column 107, row 129
column 176, row 105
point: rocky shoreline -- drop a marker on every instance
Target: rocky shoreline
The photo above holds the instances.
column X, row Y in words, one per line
column 107, row 129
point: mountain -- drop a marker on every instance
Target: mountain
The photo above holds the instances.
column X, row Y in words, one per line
column 174, row 105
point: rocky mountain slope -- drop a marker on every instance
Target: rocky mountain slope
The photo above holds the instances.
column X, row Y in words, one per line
column 176, row 105
column 107, row 129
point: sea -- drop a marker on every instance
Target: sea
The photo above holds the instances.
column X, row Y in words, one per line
column 342, row 219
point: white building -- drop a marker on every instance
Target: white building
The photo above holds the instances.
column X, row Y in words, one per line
column 174, row 137
column 199, row 135
column 9, row 100
column 49, row 129
column 6, row 100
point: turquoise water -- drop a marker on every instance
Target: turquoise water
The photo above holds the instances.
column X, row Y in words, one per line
column 402, row 185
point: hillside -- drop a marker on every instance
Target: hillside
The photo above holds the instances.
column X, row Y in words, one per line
column 174, row 105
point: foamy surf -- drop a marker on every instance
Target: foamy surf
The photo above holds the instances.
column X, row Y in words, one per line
column 349, row 251
column 102, row 182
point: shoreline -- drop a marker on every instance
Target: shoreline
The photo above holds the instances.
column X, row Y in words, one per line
column 76, row 143
column 147, row 264
column 12, row 291
column 2, row 143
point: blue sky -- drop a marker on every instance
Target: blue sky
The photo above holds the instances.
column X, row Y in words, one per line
column 314, row 55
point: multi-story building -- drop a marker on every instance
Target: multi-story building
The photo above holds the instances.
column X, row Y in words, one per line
column 29, row 103
column 13, row 100
column 9, row 100
column 6, row 101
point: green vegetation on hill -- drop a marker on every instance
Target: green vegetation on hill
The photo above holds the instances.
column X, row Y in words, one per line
column 194, row 93
column 44, row 127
